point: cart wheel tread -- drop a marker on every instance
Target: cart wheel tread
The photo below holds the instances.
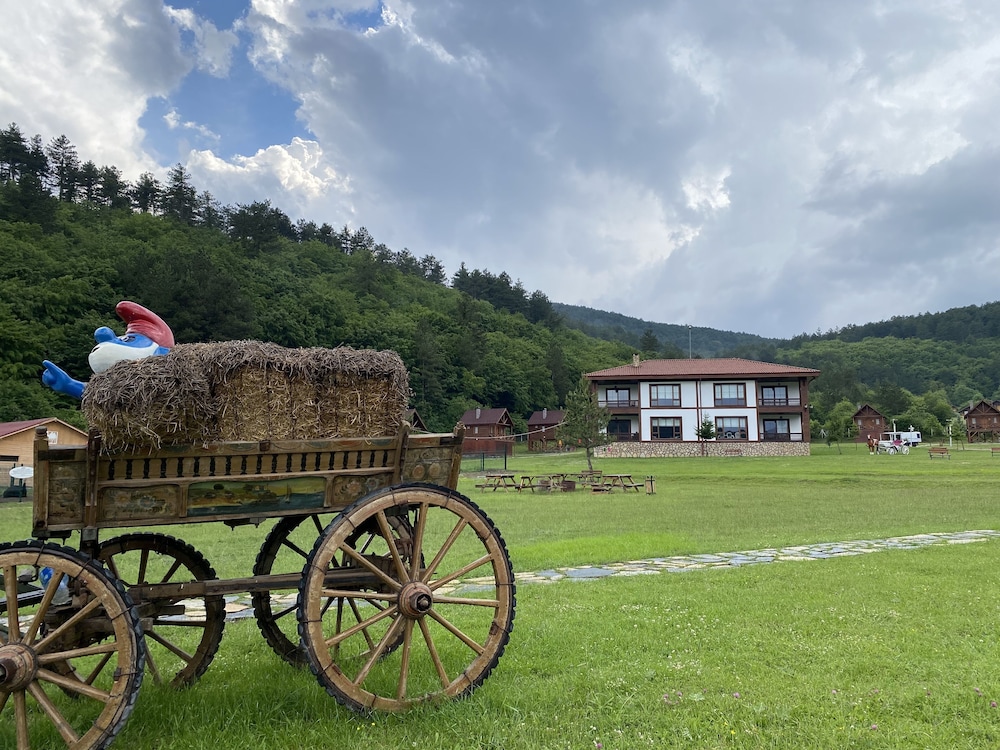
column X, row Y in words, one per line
column 71, row 658
column 294, row 553
column 173, row 655
column 401, row 633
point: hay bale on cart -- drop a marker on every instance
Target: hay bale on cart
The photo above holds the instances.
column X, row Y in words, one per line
column 247, row 391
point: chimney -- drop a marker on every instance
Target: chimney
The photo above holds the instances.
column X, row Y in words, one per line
column 545, row 413
column 479, row 412
column 635, row 360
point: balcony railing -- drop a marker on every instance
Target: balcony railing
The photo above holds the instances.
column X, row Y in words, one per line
column 782, row 437
column 625, row 437
column 619, row 403
column 794, row 401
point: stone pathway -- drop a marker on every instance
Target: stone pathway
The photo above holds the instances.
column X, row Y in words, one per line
column 238, row 607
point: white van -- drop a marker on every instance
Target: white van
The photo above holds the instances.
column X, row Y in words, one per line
column 904, row 437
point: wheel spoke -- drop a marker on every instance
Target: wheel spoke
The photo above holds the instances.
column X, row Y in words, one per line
column 451, row 628
column 56, row 634
column 425, row 631
column 21, row 720
column 404, row 666
column 445, row 548
column 10, row 589
column 418, row 540
column 140, row 577
column 490, row 603
column 376, row 654
column 43, row 607
column 288, row 544
column 53, row 713
column 172, row 647
column 364, row 562
column 99, row 667
column 460, row 572
column 76, row 653
column 361, row 626
column 390, row 540
column 74, row 685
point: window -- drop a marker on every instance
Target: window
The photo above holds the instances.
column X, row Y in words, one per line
column 731, row 428
column 730, row 394
column 619, row 397
column 665, row 428
column 774, row 395
column 620, row 429
column 665, row 395
column 777, row 429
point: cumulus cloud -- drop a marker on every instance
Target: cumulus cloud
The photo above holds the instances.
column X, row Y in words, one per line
column 746, row 167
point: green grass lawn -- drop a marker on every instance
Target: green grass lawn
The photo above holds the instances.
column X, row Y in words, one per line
column 888, row 650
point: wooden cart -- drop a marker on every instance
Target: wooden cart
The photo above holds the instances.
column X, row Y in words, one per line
column 388, row 584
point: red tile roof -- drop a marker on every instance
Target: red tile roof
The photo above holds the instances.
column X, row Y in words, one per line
column 553, row 416
column 688, row 369
column 10, row 428
column 485, row 417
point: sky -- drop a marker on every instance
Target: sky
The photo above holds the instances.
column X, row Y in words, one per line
column 773, row 167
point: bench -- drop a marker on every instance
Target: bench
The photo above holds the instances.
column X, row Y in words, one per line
column 732, row 452
column 995, row 450
column 941, row 452
column 600, row 488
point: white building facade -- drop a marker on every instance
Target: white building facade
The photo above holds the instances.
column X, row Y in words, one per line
column 658, row 407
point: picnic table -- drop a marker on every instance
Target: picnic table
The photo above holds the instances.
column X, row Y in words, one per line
column 588, row 476
column 624, row 481
column 543, row 482
column 503, row 480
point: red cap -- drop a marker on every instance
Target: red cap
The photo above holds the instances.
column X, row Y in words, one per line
column 141, row 320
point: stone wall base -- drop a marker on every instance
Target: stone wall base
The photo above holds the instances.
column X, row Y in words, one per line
column 708, row 448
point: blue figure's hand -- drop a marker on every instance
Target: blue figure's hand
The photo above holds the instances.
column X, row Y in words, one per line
column 58, row 380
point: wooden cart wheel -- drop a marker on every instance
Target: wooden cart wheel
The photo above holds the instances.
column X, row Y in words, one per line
column 182, row 632
column 419, row 635
column 71, row 652
column 285, row 550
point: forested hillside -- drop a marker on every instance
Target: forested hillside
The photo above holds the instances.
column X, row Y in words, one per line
column 76, row 238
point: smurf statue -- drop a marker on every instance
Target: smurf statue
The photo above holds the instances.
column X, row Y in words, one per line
column 146, row 335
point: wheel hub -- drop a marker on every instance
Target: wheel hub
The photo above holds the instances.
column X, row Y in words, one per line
column 18, row 667
column 415, row 600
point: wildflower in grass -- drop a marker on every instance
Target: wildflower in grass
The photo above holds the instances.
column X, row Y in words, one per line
column 978, row 691
column 874, row 727
column 993, row 704
column 598, row 745
column 736, row 695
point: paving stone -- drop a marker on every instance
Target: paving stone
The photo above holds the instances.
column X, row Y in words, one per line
column 239, row 606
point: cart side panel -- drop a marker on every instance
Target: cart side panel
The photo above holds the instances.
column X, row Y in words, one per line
column 233, row 482
column 60, row 484
column 434, row 458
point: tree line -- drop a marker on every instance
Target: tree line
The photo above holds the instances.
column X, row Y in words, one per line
column 77, row 238
column 76, row 244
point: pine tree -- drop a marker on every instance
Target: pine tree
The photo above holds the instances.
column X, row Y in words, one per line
column 586, row 421
column 64, row 167
column 180, row 199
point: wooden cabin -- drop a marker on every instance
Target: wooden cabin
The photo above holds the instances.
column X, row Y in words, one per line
column 488, row 431
column 870, row 422
column 982, row 423
column 542, row 429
